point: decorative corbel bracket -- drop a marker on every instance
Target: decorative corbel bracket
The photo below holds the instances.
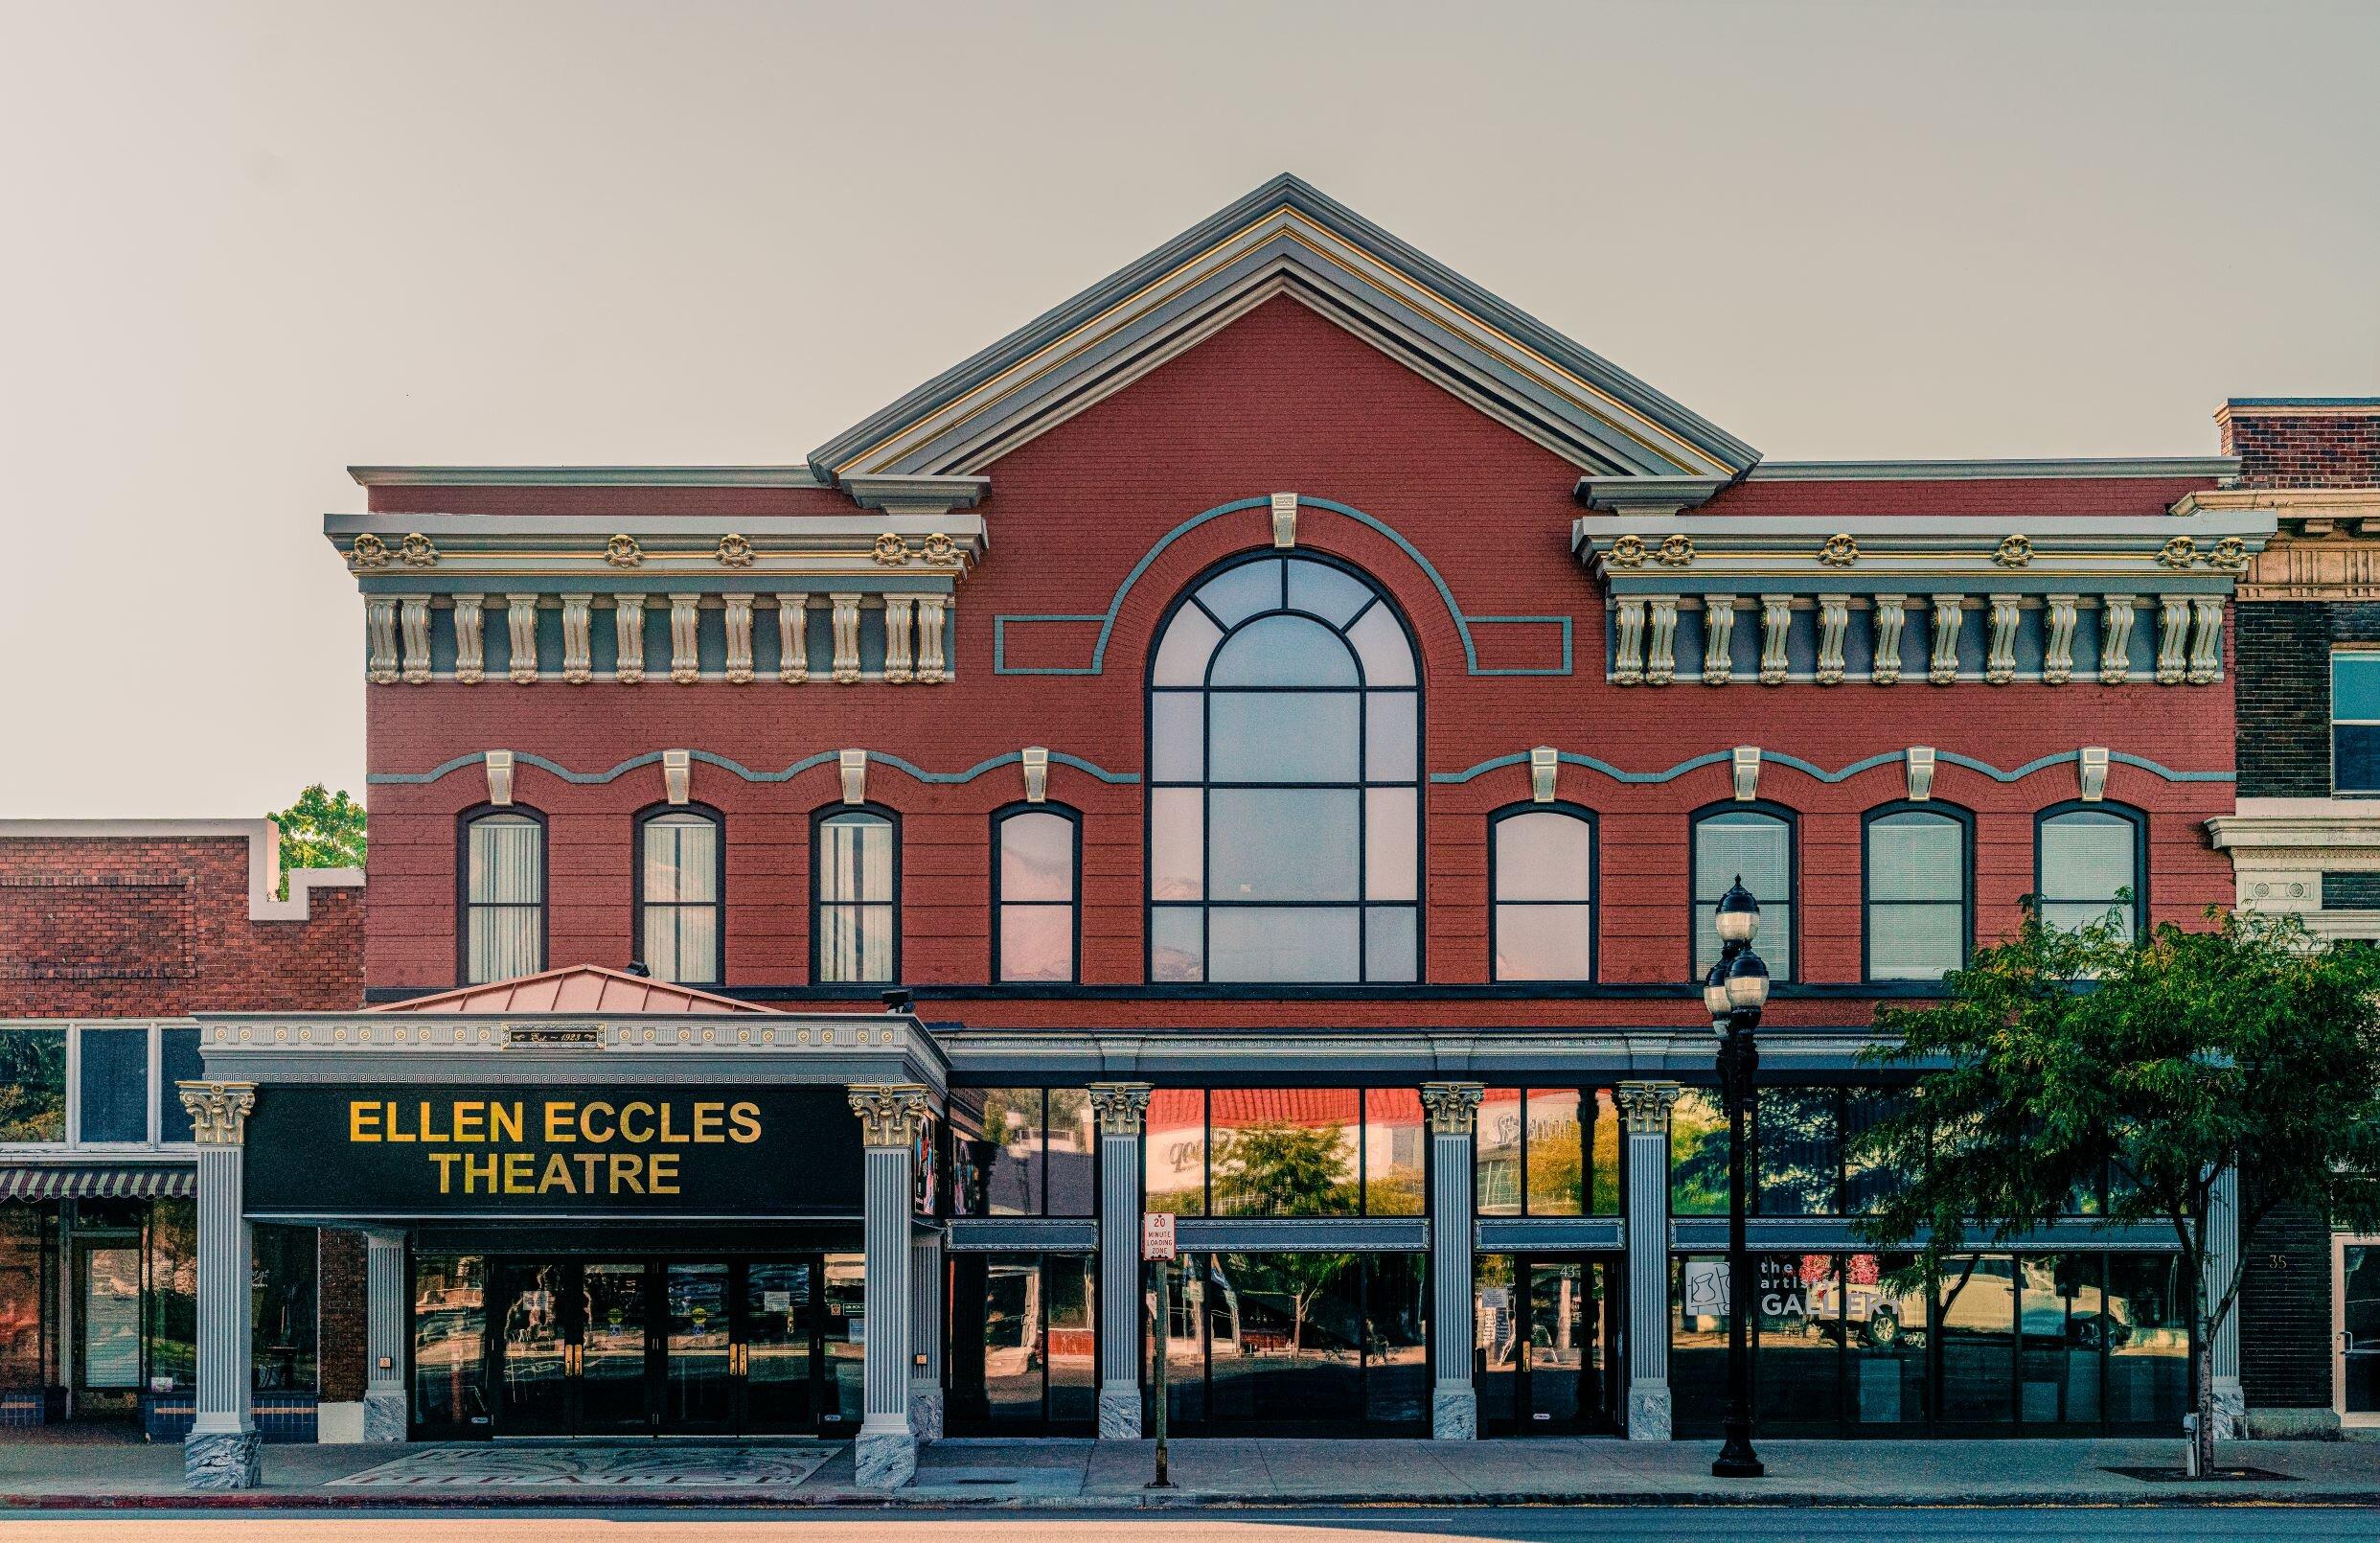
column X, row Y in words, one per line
column 677, row 775
column 853, row 765
column 499, row 776
column 2091, row 768
column 1285, row 520
column 1036, row 758
column 1920, row 766
column 1544, row 762
column 1746, row 773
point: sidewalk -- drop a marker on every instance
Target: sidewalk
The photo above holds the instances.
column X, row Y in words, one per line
column 1107, row 1475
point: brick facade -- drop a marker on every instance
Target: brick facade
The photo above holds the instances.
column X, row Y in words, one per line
column 2304, row 445
column 1280, row 398
column 158, row 926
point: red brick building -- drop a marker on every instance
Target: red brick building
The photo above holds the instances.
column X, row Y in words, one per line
column 1272, row 730
column 112, row 935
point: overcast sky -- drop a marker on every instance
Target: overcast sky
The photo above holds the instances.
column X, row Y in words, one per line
column 242, row 247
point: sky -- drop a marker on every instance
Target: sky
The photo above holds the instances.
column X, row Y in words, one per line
column 246, row 246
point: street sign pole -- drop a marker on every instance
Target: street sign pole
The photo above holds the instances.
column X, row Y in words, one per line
column 1157, row 1246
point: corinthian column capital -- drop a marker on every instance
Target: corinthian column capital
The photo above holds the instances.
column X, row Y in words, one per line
column 218, row 1111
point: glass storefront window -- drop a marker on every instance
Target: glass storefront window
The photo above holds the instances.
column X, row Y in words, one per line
column 1866, row 1184
column 1798, row 1327
column 1396, row 1143
column 1396, row 1345
column 1175, row 1141
column 1496, row 1158
column 28, row 1246
column 1011, row 1153
column 2148, row 1340
column 1975, row 1314
column 1884, row 1340
column 33, row 1085
column 171, row 1315
column 283, row 1297
column 846, row 1337
column 114, row 1074
column 1697, row 1155
column 177, row 1062
column 1022, row 1342
column 1071, row 1306
column 1797, row 1147
column 2061, row 1317
column 449, row 1328
column 1285, row 1151
column 1072, row 1153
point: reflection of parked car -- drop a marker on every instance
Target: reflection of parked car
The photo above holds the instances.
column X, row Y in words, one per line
column 1980, row 1303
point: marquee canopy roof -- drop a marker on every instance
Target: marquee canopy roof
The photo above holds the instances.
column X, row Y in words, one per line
column 577, row 989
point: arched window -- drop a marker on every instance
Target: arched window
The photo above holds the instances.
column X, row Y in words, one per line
column 2089, row 860
column 1034, row 907
column 681, row 895
column 1920, row 919
column 1753, row 843
column 1285, row 757
column 502, row 869
column 1543, row 927
column 854, row 889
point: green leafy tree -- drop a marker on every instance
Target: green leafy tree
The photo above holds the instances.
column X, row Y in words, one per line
column 2161, row 1064
column 1280, row 1169
column 322, row 830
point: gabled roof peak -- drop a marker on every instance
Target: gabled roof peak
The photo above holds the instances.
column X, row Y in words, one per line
column 1286, row 238
column 577, row 988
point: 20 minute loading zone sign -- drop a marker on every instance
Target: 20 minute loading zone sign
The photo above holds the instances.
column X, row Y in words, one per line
column 553, row 1152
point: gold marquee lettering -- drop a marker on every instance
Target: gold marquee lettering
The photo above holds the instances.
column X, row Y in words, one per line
column 476, row 1146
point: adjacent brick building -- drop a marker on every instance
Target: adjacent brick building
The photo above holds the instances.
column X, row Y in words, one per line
column 112, row 933
column 2305, row 838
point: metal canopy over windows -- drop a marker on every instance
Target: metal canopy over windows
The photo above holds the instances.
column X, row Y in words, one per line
column 503, row 897
column 1756, row 848
column 2089, row 866
column 855, row 875
column 681, row 896
column 1284, row 751
column 1918, row 922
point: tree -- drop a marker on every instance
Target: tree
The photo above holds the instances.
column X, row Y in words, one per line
column 2161, row 1065
column 1276, row 1168
column 322, row 830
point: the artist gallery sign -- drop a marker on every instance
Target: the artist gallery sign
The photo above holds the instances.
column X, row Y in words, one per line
column 601, row 1151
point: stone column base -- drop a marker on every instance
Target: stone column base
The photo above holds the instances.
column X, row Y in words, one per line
column 221, row 1459
column 885, row 1459
column 383, row 1416
column 1648, row 1414
column 2230, row 1410
column 1119, row 1414
column 2281, row 1425
column 925, row 1410
column 1454, row 1413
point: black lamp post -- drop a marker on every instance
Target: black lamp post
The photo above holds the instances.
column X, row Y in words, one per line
column 1734, row 992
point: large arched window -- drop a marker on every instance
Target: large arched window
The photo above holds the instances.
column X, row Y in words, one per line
column 1542, row 925
column 502, row 885
column 1755, row 845
column 2088, row 861
column 681, row 895
column 855, row 894
column 1919, row 919
column 1034, row 917
column 1285, row 802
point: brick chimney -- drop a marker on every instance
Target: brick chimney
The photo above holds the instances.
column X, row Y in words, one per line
column 2303, row 442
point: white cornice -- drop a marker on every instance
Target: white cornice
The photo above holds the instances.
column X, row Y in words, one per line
column 2295, row 832
column 263, row 835
column 585, row 476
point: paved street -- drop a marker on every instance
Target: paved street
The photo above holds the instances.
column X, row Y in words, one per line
column 1521, row 1526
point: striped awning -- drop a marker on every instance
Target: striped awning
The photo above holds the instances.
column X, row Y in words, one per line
column 95, row 1181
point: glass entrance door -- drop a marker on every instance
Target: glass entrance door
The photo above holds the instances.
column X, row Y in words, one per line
column 663, row 1346
column 2355, row 1275
column 1547, row 1328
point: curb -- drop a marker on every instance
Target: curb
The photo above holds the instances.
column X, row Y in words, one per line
column 518, row 1500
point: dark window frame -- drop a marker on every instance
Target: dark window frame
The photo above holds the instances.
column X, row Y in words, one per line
column 2331, row 690
column 1964, row 819
column 1595, row 888
column 464, row 905
column 2138, row 820
column 1074, row 902
column 1791, row 820
column 638, row 823
column 818, row 821
column 1205, row 784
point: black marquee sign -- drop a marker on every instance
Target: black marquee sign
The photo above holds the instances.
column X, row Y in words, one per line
column 547, row 1152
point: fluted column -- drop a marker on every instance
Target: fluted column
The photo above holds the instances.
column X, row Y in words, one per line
column 386, row 1313
column 926, row 1336
column 1123, row 1110
column 2231, row 1399
column 1454, row 1119
column 1646, row 1106
column 221, row 1451
column 891, row 1116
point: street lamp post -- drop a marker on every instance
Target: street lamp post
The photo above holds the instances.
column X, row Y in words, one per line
column 1734, row 992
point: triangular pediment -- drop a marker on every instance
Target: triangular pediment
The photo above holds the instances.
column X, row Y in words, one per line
column 1285, row 240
